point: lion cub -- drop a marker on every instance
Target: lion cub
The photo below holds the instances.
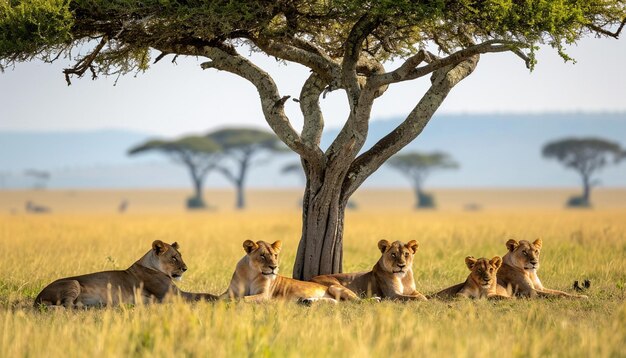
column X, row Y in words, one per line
column 481, row 282
column 256, row 279
column 391, row 277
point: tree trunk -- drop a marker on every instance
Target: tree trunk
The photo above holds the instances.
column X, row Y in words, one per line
column 418, row 197
column 241, row 200
column 586, row 190
column 321, row 247
column 196, row 201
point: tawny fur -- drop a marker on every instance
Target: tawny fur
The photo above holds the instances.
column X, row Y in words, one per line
column 256, row 279
column 147, row 280
column 390, row 278
column 481, row 282
column 519, row 270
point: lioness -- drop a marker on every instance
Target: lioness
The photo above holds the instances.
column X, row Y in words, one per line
column 481, row 282
column 391, row 277
column 150, row 278
column 256, row 279
column 519, row 269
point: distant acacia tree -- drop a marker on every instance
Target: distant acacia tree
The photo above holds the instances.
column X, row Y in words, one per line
column 199, row 154
column 242, row 146
column 586, row 156
column 417, row 167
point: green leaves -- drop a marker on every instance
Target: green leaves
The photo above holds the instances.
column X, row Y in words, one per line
column 195, row 144
column 427, row 161
column 246, row 139
column 42, row 28
column 586, row 155
column 28, row 27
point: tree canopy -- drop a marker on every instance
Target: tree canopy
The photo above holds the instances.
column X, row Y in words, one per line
column 248, row 139
column 584, row 154
column 126, row 29
column 191, row 144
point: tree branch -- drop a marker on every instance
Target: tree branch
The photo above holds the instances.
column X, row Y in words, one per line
column 409, row 70
column 605, row 32
column 227, row 173
column 352, row 53
column 312, row 113
column 272, row 103
column 443, row 80
column 301, row 52
column 86, row 63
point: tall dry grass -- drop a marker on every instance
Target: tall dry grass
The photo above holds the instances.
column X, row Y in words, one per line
column 577, row 244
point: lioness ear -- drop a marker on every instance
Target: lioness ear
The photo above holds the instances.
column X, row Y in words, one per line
column 159, row 247
column 175, row 245
column 383, row 245
column 512, row 245
column 249, row 246
column 538, row 243
column 470, row 261
column 496, row 262
column 412, row 246
column 277, row 245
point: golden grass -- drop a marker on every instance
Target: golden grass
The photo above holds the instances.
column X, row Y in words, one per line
column 172, row 200
column 577, row 245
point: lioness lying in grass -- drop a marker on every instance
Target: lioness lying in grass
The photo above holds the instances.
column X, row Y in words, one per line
column 481, row 282
column 519, row 270
column 149, row 279
column 391, row 277
column 256, row 279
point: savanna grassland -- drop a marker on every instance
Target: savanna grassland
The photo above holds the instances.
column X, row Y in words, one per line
column 84, row 235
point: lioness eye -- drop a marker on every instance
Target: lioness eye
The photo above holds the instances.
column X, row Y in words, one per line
column 525, row 253
column 263, row 257
column 393, row 255
column 174, row 259
column 406, row 254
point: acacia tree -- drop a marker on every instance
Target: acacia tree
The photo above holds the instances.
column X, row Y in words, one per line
column 241, row 145
column 343, row 42
column 199, row 154
column 587, row 156
column 417, row 167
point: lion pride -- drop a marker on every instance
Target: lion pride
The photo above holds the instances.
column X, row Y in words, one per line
column 149, row 279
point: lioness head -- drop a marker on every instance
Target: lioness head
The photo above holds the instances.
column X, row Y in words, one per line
column 523, row 254
column 263, row 257
column 397, row 257
column 483, row 271
column 168, row 260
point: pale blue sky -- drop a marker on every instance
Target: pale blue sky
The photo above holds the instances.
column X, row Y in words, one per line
column 175, row 99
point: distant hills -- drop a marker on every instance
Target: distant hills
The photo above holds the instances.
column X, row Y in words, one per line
column 496, row 150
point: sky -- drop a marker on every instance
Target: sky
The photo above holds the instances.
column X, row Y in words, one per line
column 174, row 99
